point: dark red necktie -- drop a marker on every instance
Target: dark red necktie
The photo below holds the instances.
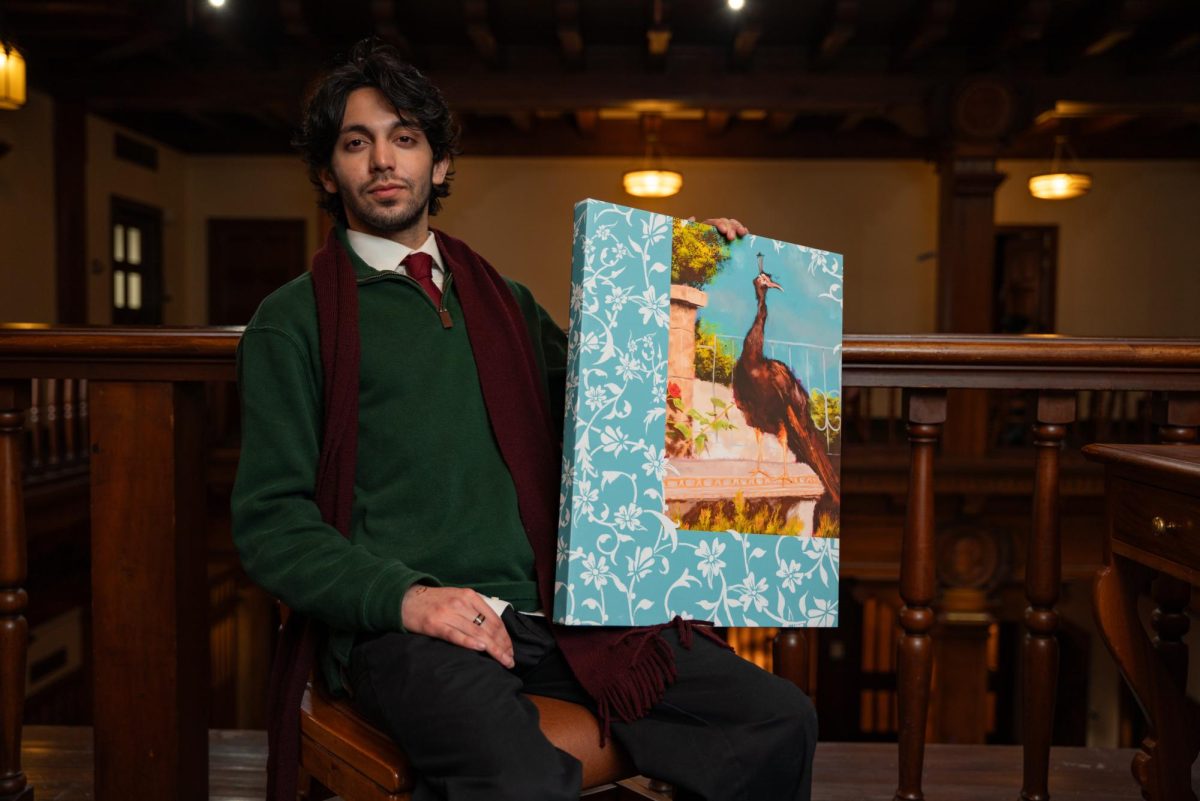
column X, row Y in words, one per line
column 420, row 269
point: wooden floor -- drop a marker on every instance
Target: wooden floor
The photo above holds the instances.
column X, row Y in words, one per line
column 58, row 762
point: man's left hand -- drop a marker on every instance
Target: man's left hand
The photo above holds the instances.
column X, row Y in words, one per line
column 730, row 228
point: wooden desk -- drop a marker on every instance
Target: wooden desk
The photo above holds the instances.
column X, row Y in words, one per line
column 1153, row 497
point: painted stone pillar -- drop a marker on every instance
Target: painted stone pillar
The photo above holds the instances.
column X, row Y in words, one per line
column 681, row 356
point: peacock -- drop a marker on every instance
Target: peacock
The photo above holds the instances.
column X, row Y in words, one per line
column 773, row 400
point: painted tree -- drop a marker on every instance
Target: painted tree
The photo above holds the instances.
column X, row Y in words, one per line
column 698, row 252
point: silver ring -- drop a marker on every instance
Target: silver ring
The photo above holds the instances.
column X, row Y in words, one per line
column 478, row 621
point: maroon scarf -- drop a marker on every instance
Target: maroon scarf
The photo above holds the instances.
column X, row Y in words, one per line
column 624, row 670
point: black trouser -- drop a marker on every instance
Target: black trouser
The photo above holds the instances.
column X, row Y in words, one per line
column 724, row 731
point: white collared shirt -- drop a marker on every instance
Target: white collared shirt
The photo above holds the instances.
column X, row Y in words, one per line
column 386, row 256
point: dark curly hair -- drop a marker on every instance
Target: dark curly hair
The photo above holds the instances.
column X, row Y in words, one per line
column 372, row 63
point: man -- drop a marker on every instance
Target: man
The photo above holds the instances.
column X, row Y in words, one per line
column 402, row 418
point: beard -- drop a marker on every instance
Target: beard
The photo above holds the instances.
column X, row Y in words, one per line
column 389, row 216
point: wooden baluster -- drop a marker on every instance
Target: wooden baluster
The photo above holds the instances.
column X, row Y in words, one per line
column 53, row 446
column 1177, row 417
column 34, row 459
column 1043, row 580
column 926, row 412
column 14, row 632
column 81, row 415
column 70, row 446
column 794, row 655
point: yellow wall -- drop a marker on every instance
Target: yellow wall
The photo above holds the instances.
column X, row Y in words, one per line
column 27, row 213
column 881, row 215
column 162, row 188
column 267, row 187
column 1127, row 251
column 1128, row 262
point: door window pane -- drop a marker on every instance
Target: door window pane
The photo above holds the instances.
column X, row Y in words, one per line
column 118, row 243
column 134, row 256
column 118, row 289
column 135, row 290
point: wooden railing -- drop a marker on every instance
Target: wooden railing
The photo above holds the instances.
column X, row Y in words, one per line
column 146, row 438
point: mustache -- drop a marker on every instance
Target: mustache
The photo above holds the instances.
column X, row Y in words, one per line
column 386, row 180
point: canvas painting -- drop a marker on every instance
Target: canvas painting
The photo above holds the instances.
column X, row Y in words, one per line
column 701, row 452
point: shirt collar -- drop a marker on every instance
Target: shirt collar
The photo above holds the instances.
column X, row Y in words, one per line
column 385, row 255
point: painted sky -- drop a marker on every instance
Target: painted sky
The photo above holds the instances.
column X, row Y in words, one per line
column 798, row 314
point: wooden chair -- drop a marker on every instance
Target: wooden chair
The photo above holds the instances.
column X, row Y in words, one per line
column 342, row 754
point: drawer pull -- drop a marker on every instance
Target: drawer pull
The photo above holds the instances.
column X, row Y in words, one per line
column 1162, row 526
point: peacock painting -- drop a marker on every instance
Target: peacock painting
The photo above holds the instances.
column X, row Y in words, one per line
column 754, row 414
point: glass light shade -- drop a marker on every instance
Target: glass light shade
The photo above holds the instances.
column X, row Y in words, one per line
column 1060, row 185
column 652, row 183
column 12, row 77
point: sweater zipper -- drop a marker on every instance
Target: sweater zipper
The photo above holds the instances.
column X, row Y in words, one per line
column 442, row 312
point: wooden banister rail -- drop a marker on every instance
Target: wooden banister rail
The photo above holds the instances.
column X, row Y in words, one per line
column 150, row 641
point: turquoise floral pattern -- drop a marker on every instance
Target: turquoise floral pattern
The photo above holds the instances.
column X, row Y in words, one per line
column 621, row 560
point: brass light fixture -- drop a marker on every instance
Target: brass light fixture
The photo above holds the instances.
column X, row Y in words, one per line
column 1059, row 183
column 653, row 180
column 12, row 77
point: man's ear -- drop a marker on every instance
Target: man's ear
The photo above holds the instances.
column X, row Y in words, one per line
column 439, row 171
column 327, row 182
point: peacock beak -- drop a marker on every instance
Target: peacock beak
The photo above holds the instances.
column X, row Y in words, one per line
column 773, row 285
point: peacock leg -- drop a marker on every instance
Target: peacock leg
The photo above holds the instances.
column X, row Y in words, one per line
column 758, row 461
column 782, row 436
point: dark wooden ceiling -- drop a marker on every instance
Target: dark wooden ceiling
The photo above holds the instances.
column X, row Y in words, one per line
column 781, row 78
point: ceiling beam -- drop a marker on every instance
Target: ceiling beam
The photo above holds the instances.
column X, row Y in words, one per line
column 570, row 39
column 1029, row 25
column 385, row 16
column 716, row 121
column 479, row 30
column 1123, row 26
column 295, row 25
column 843, row 24
column 931, row 28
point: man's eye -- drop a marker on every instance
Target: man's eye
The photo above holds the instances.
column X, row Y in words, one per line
column 405, row 139
column 355, row 142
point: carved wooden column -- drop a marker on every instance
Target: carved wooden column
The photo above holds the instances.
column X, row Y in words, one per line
column 926, row 412
column 14, row 631
column 978, row 117
column 151, row 668
column 1043, row 580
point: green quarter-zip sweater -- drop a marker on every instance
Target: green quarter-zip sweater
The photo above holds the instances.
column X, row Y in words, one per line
column 433, row 499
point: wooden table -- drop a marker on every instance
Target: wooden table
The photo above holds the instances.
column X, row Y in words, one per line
column 1153, row 497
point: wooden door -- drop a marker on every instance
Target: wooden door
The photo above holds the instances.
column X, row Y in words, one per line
column 137, row 254
column 1026, row 273
column 247, row 260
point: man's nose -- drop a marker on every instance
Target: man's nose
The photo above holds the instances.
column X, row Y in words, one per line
column 381, row 155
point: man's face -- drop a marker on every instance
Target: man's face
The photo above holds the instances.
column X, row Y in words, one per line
column 383, row 169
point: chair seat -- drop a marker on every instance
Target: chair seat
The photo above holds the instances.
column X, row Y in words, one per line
column 342, row 751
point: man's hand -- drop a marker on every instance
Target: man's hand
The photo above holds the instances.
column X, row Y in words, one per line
column 448, row 613
column 730, row 228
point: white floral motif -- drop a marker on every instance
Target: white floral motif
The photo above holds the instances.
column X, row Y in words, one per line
column 595, row 571
column 709, row 555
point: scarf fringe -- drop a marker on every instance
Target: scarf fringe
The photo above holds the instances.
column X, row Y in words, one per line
column 630, row 695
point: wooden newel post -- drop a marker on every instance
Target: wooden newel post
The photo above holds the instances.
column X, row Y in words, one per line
column 151, row 668
column 1043, row 580
column 926, row 413
column 14, row 632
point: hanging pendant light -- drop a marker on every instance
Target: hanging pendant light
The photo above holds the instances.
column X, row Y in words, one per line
column 653, row 180
column 1060, row 184
column 12, row 77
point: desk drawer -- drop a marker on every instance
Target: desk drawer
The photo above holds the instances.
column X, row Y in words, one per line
column 1158, row 521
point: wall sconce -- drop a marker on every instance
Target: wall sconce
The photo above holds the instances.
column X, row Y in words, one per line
column 1060, row 184
column 653, row 180
column 12, row 77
